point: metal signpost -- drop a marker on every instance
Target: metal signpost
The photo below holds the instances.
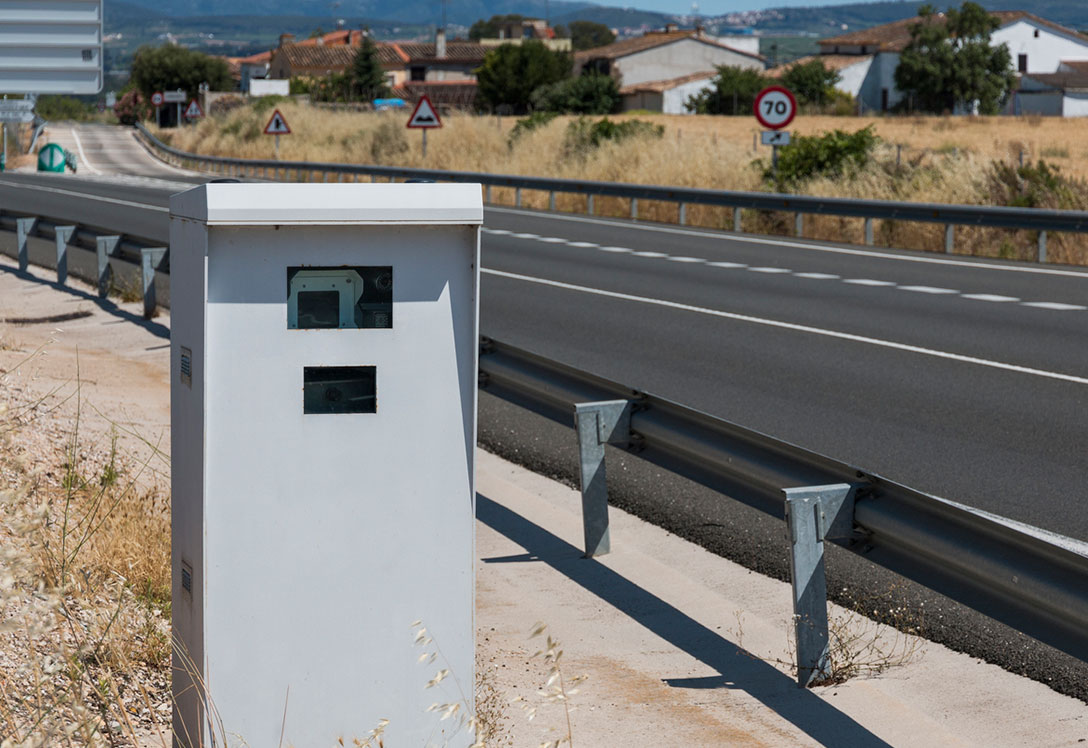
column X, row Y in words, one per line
column 157, row 101
column 51, row 47
column 775, row 108
column 177, row 98
column 277, row 126
column 424, row 117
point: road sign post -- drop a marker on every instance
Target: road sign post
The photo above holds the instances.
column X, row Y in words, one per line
column 193, row 111
column 775, row 108
column 277, row 126
column 157, row 101
column 424, row 117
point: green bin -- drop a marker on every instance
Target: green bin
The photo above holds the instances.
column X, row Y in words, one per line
column 51, row 158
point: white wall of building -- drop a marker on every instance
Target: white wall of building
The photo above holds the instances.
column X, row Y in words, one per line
column 1045, row 50
column 269, row 87
column 745, row 42
column 677, row 59
column 1075, row 105
column 851, row 78
column 674, row 99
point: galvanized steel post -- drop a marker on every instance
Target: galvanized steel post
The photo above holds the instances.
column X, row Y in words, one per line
column 737, row 228
column 682, row 213
column 517, row 197
column 634, row 208
column 150, row 260
column 589, row 204
column 949, row 237
column 799, row 224
column 814, row 513
column 1042, row 246
column 869, row 231
column 487, row 194
column 23, row 229
column 606, row 422
column 551, row 201
column 63, row 235
column 105, row 246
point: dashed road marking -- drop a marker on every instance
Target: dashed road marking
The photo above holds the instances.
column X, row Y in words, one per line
column 928, row 289
column 867, row 282
column 988, row 297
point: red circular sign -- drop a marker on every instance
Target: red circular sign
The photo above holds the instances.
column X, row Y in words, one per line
column 156, row 98
column 775, row 107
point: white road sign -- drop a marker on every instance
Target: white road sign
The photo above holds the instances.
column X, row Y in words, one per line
column 193, row 111
column 157, row 99
column 175, row 97
column 277, row 125
column 17, row 110
column 775, row 107
column 425, row 115
column 775, row 137
column 51, row 46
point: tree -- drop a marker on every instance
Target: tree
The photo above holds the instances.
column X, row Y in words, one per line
column 510, row 73
column 811, row 82
column 585, row 94
column 734, row 92
column 367, row 76
column 588, row 35
column 950, row 65
column 171, row 67
column 489, row 29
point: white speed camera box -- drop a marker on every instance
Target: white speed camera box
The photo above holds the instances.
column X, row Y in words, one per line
column 323, row 411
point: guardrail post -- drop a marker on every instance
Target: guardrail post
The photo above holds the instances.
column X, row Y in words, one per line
column 105, row 246
column 949, row 237
column 600, row 423
column 813, row 514
column 517, row 197
column 634, row 208
column 737, row 228
column 551, row 201
column 589, row 204
column 682, row 213
column 1042, row 246
column 23, row 228
column 150, row 260
column 869, row 231
column 63, row 236
column 799, row 224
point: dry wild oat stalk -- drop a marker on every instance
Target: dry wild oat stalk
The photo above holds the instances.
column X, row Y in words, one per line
column 556, row 690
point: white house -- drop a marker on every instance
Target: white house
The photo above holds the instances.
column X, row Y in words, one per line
column 667, row 59
column 667, row 96
column 1037, row 46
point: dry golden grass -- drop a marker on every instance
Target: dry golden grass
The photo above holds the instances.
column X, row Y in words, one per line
column 949, row 160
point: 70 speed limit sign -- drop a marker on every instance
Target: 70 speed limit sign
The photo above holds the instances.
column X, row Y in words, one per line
column 775, row 107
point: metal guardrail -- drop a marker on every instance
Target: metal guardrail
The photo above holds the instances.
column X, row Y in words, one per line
column 951, row 216
column 1027, row 578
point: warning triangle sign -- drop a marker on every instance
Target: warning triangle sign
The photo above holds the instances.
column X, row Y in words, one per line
column 277, row 125
column 193, row 111
column 424, row 115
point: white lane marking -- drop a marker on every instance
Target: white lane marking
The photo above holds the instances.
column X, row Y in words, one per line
column 585, row 245
column 686, row 259
column 552, row 240
column 867, row 282
column 649, row 254
column 797, row 328
column 83, row 156
column 1056, row 305
column 728, row 264
column 988, row 297
column 928, row 289
column 87, row 196
column 818, row 276
column 526, row 236
column 497, row 232
column 768, row 270
column 615, row 249
column 796, row 245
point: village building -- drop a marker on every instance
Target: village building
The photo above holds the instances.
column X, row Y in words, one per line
column 536, row 29
column 867, row 60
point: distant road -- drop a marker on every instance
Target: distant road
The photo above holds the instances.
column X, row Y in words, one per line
column 105, row 150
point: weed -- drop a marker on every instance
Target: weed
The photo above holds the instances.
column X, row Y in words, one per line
column 1054, row 151
column 556, row 690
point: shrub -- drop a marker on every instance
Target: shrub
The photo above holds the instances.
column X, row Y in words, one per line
column 734, row 92
column 225, row 104
column 1039, row 186
column 528, row 124
column 62, row 107
column 132, row 108
column 825, row 155
column 511, row 73
column 264, row 104
column 388, row 142
column 586, row 94
column 584, row 135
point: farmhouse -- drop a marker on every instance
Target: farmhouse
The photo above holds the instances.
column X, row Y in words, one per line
column 867, row 59
column 661, row 69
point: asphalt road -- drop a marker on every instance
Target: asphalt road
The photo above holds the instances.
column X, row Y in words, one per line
column 964, row 378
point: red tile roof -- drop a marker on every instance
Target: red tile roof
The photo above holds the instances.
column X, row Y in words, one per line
column 894, row 37
column 664, row 85
column 650, row 40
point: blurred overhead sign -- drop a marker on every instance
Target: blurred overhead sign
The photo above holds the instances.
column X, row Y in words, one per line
column 51, row 46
